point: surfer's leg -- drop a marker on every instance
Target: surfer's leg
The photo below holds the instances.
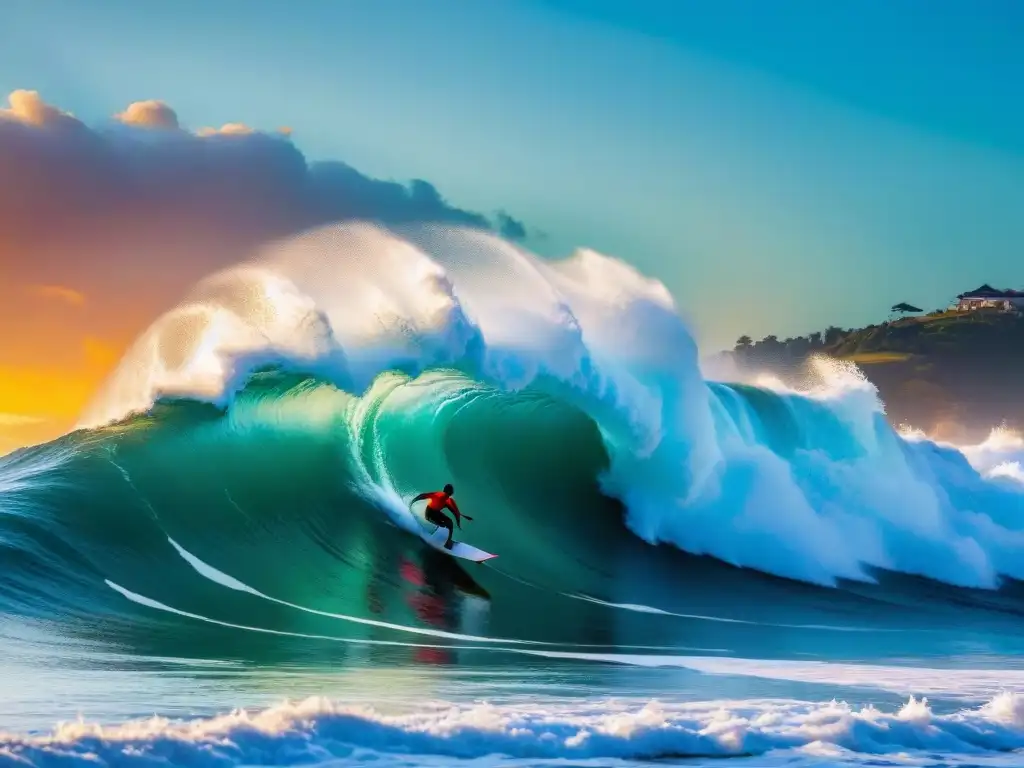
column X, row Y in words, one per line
column 442, row 521
column 445, row 522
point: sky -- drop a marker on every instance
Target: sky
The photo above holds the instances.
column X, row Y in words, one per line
column 780, row 166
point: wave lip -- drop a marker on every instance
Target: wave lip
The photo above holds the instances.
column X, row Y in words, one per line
column 318, row 730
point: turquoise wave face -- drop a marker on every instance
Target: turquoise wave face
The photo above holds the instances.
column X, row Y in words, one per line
column 278, row 528
column 273, row 491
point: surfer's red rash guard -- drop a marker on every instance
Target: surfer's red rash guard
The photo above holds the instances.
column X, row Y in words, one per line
column 439, row 500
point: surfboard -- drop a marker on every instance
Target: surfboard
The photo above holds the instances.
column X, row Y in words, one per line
column 460, row 549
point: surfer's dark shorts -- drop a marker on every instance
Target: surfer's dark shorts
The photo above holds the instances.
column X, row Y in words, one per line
column 439, row 518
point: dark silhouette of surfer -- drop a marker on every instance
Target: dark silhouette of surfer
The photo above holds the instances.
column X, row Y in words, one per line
column 437, row 502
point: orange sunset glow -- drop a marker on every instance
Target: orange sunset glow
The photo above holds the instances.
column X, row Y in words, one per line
column 53, row 364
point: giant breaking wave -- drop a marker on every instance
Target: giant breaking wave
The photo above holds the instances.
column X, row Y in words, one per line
column 441, row 352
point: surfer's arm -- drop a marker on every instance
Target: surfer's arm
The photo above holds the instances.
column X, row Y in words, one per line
column 458, row 515
column 421, row 497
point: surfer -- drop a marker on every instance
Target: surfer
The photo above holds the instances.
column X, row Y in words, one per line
column 437, row 502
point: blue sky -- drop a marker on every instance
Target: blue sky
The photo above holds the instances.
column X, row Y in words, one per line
column 781, row 166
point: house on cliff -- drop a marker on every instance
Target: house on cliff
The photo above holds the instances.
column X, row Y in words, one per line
column 987, row 297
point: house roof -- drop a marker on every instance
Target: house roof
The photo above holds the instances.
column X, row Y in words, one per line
column 986, row 291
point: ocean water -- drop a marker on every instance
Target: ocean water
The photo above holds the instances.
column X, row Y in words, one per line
column 220, row 566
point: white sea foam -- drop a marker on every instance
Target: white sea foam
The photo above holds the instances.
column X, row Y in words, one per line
column 319, row 731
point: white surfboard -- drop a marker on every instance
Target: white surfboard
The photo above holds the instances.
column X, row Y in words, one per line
column 459, row 548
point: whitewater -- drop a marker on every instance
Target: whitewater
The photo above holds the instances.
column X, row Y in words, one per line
column 219, row 565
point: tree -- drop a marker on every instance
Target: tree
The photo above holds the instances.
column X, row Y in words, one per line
column 744, row 342
column 903, row 308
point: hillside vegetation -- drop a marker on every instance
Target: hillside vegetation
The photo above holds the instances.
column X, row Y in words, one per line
column 953, row 374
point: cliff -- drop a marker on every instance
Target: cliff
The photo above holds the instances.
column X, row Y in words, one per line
column 953, row 374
